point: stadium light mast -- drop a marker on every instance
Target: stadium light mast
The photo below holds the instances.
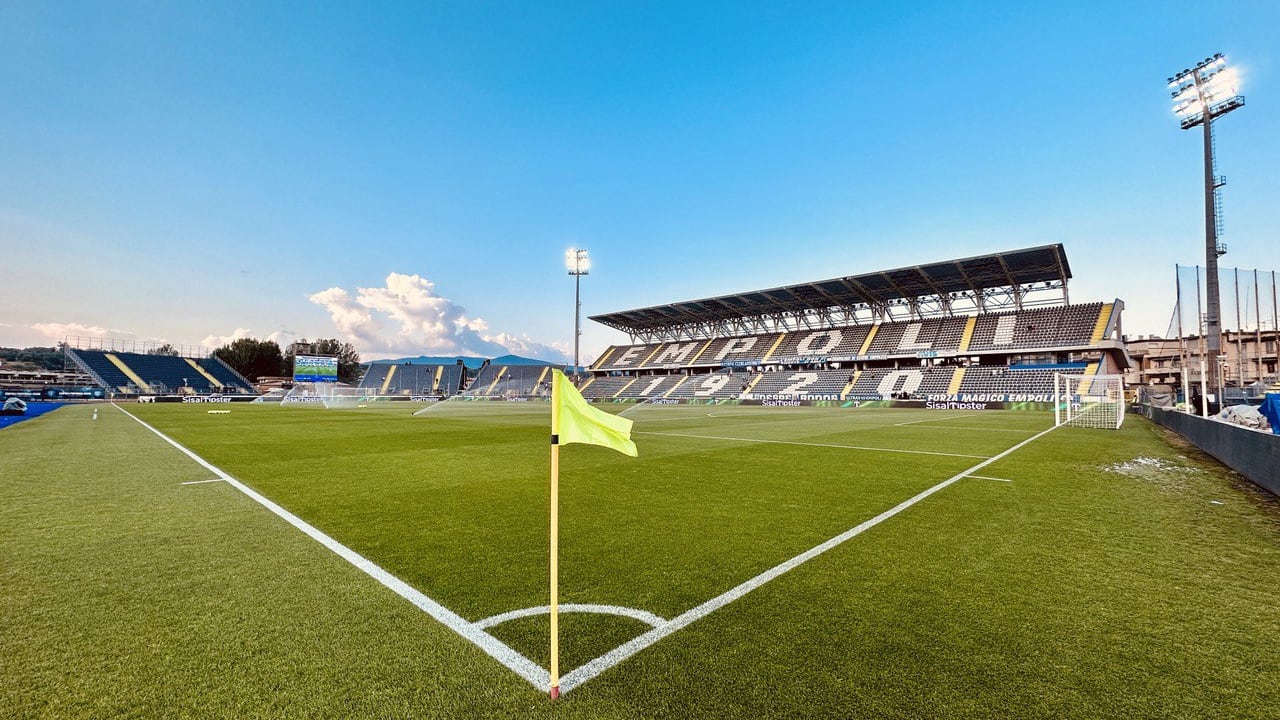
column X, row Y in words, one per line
column 1201, row 95
column 579, row 264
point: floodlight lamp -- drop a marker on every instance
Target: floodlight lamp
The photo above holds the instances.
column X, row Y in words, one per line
column 1225, row 82
column 576, row 260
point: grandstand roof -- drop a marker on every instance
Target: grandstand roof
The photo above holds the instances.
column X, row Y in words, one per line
column 1046, row 263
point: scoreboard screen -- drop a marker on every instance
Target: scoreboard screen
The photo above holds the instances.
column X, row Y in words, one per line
column 315, row 368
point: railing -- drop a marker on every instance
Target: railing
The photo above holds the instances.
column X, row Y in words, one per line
column 146, row 347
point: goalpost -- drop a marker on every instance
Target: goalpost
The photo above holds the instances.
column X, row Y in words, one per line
column 1094, row 401
column 328, row 394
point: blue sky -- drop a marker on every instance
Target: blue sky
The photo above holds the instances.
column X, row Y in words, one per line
column 408, row 176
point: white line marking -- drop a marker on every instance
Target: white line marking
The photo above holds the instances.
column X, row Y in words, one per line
column 987, row 429
column 643, row 616
column 593, row 668
column 759, row 410
column 806, row 444
column 939, row 419
column 984, row 477
column 539, row 677
column 199, row 482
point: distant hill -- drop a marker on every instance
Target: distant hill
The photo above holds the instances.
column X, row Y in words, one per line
column 472, row 363
column 517, row 360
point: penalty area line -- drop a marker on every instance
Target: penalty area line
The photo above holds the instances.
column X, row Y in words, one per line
column 586, row 672
column 200, row 482
column 807, row 444
column 978, row 428
column 932, row 419
column 537, row 676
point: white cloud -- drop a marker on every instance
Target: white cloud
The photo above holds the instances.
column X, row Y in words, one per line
column 58, row 331
column 525, row 346
column 77, row 334
column 217, row 341
column 86, row 335
column 281, row 337
column 407, row 317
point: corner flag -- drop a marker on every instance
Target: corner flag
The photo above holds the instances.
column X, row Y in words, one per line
column 578, row 422
column 573, row 420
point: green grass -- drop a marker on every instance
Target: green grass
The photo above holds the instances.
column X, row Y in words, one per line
column 1073, row 591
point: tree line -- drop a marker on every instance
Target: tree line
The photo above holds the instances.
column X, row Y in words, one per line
column 254, row 358
column 35, row 358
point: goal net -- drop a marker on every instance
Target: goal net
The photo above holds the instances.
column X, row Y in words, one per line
column 328, row 394
column 1094, row 401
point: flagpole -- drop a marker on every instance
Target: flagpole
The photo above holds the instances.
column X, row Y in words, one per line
column 573, row 420
column 556, row 379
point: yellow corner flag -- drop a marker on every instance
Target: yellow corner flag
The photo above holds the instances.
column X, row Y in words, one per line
column 573, row 420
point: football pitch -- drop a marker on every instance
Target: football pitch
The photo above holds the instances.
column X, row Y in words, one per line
column 751, row 562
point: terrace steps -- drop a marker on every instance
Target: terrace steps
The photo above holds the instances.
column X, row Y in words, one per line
column 128, row 372
column 774, row 348
column 871, row 336
column 704, row 349
column 853, row 380
column 967, row 337
column 1104, row 319
column 673, row 388
column 625, row 387
column 196, row 366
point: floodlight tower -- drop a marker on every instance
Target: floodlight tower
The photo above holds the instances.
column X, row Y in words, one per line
column 1201, row 95
column 579, row 264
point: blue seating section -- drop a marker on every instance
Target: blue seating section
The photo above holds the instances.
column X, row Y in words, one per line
column 412, row 379
column 511, row 381
column 161, row 373
column 224, row 374
column 95, row 363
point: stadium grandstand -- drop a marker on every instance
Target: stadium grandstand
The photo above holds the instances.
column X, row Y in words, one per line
column 413, row 380
column 43, row 384
column 499, row 379
column 992, row 327
column 131, row 373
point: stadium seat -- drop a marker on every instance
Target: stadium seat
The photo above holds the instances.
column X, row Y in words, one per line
column 160, row 374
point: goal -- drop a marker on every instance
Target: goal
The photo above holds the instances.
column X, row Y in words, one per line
column 1094, row 401
column 330, row 395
